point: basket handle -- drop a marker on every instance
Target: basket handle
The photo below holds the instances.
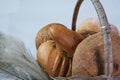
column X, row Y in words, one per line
column 105, row 27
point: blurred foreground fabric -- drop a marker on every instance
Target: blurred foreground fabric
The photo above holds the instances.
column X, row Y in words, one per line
column 16, row 62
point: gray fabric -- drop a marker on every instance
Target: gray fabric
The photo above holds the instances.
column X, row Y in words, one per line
column 16, row 61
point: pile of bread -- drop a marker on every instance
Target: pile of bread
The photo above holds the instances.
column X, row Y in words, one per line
column 63, row 52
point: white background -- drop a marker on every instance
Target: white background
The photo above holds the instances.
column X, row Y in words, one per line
column 23, row 18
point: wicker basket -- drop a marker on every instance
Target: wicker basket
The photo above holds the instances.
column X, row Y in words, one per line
column 104, row 25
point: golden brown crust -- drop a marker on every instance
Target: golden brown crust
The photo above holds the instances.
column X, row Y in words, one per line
column 89, row 26
column 42, row 36
column 52, row 59
column 66, row 38
column 89, row 56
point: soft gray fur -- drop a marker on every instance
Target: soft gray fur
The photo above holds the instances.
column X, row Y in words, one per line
column 16, row 61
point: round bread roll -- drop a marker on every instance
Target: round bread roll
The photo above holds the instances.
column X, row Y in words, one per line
column 54, row 60
column 89, row 56
column 89, row 26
